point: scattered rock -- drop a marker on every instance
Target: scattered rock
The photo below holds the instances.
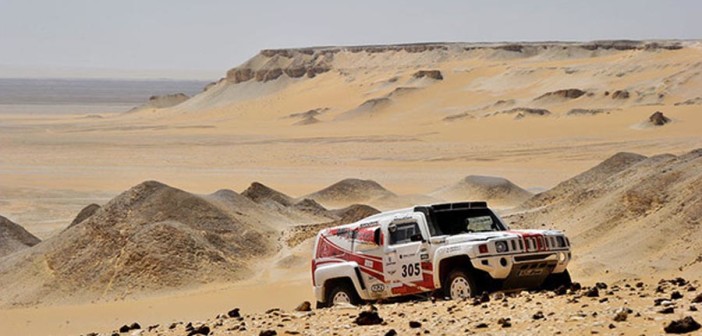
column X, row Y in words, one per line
column 620, row 94
column 565, row 93
column 561, row 290
column 234, row 313
column 505, row 322
column 697, row 299
column 267, row 333
column 601, row 285
column 621, row 316
column 304, row 307
column 415, row 324
column 433, row 74
column 675, row 295
column 658, row 119
column 391, row 332
column 368, row 318
column 686, row 325
column 539, row 315
column 481, row 325
column 201, row 330
column 592, row 292
column 667, row 310
column 126, row 328
column 485, row 297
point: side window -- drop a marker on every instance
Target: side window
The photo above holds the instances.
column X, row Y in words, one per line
column 402, row 233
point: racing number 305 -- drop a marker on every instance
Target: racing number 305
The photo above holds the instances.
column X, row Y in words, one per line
column 409, row 270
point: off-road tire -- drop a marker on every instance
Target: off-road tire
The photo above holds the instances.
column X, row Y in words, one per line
column 556, row 280
column 339, row 291
column 460, row 281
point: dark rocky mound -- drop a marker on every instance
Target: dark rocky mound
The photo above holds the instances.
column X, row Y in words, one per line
column 354, row 213
column 433, row 74
column 564, row 94
column 658, row 119
column 310, row 206
column 692, row 101
column 85, row 213
column 167, row 100
column 521, row 112
column 309, row 113
column 580, row 111
column 350, row 191
column 260, row 193
column 14, row 237
column 307, row 121
column 620, row 94
column 495, row 190
column 152, row 237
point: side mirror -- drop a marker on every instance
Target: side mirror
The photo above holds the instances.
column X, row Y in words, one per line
column 417, row 237
column 376, row 237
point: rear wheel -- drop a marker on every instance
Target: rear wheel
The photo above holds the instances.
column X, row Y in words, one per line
column 459, row 285
column 342, row 293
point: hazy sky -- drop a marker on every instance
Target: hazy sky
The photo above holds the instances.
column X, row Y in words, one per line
column 205, row 38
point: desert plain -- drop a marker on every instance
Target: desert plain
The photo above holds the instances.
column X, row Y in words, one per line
column 208, row 203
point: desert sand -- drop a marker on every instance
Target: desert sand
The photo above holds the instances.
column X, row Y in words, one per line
column 322, row 129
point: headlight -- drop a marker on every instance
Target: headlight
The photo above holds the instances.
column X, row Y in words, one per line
column 501, row 246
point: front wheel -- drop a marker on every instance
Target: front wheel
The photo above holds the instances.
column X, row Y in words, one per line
column 556, row 280
column 342, row 293
column 460, row 285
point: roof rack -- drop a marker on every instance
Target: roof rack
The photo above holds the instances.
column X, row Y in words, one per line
column 457, row 206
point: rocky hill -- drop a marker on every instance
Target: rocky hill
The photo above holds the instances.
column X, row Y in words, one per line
column 349, row 191
column 14, row 237
column 497, row 191
column 628, row 205
column 148, row 239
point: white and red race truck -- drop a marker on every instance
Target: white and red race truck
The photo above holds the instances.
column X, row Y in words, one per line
column 461, row 249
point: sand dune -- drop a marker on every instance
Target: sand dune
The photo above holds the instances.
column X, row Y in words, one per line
column 14, row 238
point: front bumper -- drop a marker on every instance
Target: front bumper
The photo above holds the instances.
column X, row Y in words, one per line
column 523, row 270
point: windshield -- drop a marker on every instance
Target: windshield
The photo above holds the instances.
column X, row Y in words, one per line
column 460, row 221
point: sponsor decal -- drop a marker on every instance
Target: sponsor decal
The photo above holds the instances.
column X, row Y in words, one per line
column 368, row 263
column 378, row 288
column 369, row 224
column 453, row 249
column 424, row 256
